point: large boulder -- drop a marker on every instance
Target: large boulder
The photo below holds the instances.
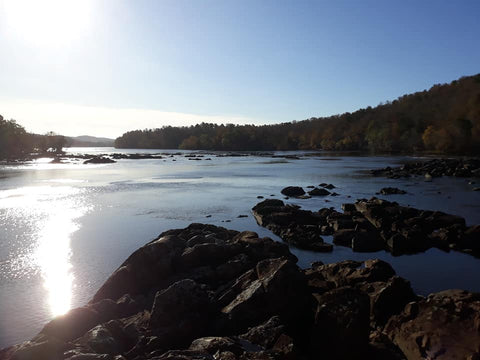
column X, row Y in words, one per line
column 181, row 313
column 278, row 288
column 73, row 324
column 151, row 265
column 342, row 324
column 42, row 348
column 293, row 191
column 445, row 325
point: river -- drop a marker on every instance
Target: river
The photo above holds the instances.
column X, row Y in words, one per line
column 64, row 228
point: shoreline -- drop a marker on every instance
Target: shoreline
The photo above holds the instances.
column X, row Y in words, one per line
column 206, row 292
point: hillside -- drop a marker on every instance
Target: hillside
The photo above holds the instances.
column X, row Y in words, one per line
column 444, row 119
column 89, row 141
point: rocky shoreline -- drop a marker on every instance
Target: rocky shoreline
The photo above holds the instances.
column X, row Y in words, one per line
column 205, row 292
column 434, row 168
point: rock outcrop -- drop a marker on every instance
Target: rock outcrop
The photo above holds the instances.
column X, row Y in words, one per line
column 296, row 227
column 369, row 226
column 445, row 325
column 205, row 292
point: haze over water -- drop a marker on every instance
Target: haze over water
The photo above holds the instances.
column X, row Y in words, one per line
column 67, row 227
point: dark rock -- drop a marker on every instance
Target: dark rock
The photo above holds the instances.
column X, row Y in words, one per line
column 293, row 191
column 319, row 192
column 342, row 323
column 265, row 334
column 445, row 325
column 350, row 273
column 134, row 275
column 278, row 290
column 48, row 348
column 349, row 208
column 367, row 241
column 392, row 190
column 101, row 341
column 205, row 292
column 180, row 313
column 390, row 299
column 94, row 356
column 344, row 237
column 297, row 227
column 99, row 160
column 184, row 355
column 198, row 239
column 73, row 324
column 433, row 168
column 205, row 254
column 471, row 239
column 213, row 344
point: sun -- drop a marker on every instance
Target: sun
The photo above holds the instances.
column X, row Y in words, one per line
column 47, row 22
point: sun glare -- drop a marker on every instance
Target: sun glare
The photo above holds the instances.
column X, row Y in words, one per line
column 47, row 22
column 54, row 213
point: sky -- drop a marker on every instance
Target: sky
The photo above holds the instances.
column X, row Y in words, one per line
column 104, row 67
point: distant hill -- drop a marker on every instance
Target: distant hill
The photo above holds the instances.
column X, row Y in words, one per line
column 444, row 119
column 89, row 141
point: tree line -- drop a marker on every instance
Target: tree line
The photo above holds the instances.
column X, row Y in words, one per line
column 17, row 143
column 444, row 119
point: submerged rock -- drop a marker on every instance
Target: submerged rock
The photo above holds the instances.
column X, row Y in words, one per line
column 99, row 160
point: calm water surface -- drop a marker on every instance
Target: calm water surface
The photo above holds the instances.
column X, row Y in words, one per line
column 65, row 227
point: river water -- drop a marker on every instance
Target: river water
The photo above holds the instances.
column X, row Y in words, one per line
column 64, row 228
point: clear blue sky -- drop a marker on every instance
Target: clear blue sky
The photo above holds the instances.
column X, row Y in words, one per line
column 242, row 61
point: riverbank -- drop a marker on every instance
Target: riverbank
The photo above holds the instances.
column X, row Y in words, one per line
column 206, row 292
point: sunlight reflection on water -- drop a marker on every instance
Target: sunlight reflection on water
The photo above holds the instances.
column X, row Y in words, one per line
column 54, row 211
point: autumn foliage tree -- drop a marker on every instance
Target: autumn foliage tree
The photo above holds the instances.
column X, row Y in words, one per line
column 444, row 119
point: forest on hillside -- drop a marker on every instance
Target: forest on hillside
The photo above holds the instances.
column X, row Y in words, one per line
column 444, row 119
column 17, row 143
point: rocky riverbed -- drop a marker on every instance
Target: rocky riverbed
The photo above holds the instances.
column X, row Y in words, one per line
column 205, row 292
